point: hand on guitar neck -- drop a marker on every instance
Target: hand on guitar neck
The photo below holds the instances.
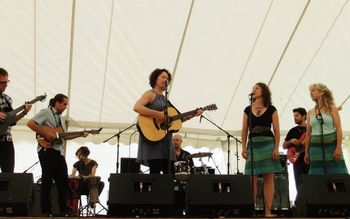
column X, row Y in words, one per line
column 53, row 136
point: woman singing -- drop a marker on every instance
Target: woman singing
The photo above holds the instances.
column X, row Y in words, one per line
column 264, row 142
column 324, row 130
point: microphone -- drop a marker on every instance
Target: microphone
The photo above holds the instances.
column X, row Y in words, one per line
column 319, row 117
column 200, row 119
column 166, row 82
column 251, row 94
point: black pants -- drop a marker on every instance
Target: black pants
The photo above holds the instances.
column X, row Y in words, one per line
column 7, row 157
column 54, row 167
column 300, row 168
column 158, row 165
column 85, row 189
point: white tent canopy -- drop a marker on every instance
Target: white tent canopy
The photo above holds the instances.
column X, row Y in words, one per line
column 100, row 53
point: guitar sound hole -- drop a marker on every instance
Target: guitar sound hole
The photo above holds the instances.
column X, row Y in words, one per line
column 163, row 126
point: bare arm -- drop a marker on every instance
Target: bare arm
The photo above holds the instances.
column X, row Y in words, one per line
column 276, row 131
column 244, row 134
column 140, row 106
column 93, row 170
column 38, row 129
column 74, row 171
column 20, row 115
column 307, row 137
column 337, row 124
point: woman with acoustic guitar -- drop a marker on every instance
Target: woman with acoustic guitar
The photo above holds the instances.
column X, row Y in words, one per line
column 324, row 130
column 158, row 155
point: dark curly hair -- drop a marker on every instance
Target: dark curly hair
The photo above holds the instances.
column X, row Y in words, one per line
column 266, row 93
column 3, row 72
column 83, row 151
column 155, row 74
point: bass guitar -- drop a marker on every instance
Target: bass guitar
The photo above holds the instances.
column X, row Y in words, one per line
column 154, row 131
column 60, row 135
column 294, row 152
column 11, row 116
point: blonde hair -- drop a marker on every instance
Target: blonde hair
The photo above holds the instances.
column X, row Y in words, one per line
column 327, row 96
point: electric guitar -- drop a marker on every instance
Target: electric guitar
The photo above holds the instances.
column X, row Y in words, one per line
column 60, row 135
column 11, row 116
column 154, row 131
column 294, row 152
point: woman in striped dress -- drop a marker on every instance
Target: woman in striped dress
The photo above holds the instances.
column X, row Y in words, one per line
column 264, row 142
column 329, row 135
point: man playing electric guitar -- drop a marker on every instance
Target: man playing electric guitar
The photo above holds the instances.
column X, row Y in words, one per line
column 52, row 160
column 7, row 151
column 293, row 139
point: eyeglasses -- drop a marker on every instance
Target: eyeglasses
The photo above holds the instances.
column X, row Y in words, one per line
column 5, row 82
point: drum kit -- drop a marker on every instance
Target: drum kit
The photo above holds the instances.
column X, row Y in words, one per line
column 183, row 168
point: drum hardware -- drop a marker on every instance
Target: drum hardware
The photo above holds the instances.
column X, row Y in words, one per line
column 75, row 185
column 200, row 155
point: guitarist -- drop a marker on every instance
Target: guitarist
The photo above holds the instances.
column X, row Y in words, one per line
column 293, row 139
column 52, row 160
column 160, row 155
column 7, row 151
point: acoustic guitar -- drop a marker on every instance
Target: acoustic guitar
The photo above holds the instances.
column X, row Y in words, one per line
column 155, row 131
column 294, row 152
column 11, row 116
column 60, row 135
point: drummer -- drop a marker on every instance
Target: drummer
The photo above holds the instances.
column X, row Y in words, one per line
column 86, row 168
column 181, row 154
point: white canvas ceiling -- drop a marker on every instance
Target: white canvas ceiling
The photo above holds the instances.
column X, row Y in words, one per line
column 100, row 53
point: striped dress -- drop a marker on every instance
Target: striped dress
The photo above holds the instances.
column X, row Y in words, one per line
column 329, row 142
column 261, row 139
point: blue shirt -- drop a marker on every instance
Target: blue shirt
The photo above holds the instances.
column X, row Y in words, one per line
column 50, row 117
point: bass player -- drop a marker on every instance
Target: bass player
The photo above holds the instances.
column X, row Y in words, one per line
column 293, row 139
column 52, row 160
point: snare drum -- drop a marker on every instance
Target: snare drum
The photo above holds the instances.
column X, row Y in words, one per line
column 182, row 170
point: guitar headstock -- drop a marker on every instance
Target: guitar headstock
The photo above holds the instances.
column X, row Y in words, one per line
column 210, row 107
column 41, row 98
column 95, row 131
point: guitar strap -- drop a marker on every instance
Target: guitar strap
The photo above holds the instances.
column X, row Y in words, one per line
column 57, row 121
column 170, row 104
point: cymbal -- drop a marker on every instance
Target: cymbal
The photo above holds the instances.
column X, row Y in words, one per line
column 199, row 154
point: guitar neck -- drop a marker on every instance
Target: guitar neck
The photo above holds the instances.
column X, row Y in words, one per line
column 69, row 134
column 19, row 109
column 183, row 115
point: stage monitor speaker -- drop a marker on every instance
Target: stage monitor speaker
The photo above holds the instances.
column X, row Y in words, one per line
column 129, row 165
column 15, row 193
column 141, row 195
column 326, row 196
column 281, row 196
column 219, row 195
column 36, row 205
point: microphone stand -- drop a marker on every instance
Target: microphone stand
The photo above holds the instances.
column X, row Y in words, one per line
column 166, row 121
column 251, row 100
column 228, row 145
column 118, row 138
column 216, row 166
column 31, row 167
column 321, row 122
